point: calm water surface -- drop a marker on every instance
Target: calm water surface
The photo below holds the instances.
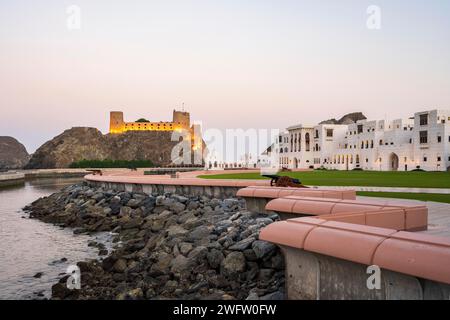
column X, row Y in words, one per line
column 28, row 246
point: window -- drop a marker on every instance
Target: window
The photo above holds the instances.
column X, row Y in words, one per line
column 307, row 141
column 438, row 159
column 371, row 144
column 360, row 128
column 424, row 159
column 381, row 142
column 423, row 118
column 439, row 139
column 329, row 132
column 317, row 134
column 423, row 135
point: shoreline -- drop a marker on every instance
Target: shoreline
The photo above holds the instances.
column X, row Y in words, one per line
column 168, row 246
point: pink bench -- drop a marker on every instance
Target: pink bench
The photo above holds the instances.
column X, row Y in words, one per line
column 339, row 253
column 257, row 197
column 394, row 214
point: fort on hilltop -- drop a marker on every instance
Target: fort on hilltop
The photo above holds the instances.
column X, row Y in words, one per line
column 181, row 120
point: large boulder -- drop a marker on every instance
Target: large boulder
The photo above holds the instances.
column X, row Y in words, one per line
column 13, row 154
column 349, row 118
column 89, row 143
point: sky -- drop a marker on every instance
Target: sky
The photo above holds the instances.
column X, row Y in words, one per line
column 234, row 64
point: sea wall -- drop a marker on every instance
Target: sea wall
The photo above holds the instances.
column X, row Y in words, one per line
column 167, row 245
column 11, row 179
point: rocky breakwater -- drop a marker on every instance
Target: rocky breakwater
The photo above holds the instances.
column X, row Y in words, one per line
column 167, row 246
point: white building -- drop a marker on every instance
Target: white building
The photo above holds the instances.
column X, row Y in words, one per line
column 420, row 142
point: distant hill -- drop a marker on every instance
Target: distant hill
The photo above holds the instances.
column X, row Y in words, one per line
column 346, row 119
column 13, row 154
column 81, row 143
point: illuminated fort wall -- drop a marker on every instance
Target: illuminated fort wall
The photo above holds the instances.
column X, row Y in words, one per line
column 181, row 120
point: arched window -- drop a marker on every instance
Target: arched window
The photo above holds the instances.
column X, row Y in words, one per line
column 299, row 142
column 295, row 142
column 371, row 144
column 307, row 141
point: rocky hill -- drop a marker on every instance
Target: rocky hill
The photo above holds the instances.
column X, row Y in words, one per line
column 89, row 143
column 346, row 119
column 13, row 154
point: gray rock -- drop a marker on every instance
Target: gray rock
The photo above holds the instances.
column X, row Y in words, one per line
column 243, row 244
column 157, row 225
column 134, row 203
column 170, row 286
column 161, row 266
column 134, row 294
column 120, row 265
column 265, row 274
column 181, row 264
column 198, row 253
column 177, row 207
column 159, row 200
column 229, row 203
column 199, row 232
column 185, row 248
column 262, row 248
column 181, row 199
column 125, row 211
column 133, row 223
column 192, row 205
column 233, row 264
column 264, row 221
column 215, row 258
column 176, row 230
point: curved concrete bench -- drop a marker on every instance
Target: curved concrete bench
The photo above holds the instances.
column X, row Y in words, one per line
column 218, row 188
column 328, row 259
column 257, row 197
column 398, row 215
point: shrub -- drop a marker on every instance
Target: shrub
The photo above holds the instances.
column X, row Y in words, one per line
column 107, row 163
column 142, row 120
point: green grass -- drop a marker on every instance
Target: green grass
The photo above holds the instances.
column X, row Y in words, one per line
column 436, row 197
column 414, row 179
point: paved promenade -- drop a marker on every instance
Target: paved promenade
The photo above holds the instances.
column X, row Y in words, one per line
column 438, row 213
column 438, row 216
column 389, row 189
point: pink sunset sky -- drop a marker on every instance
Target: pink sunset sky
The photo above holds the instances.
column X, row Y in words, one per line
column 235, row 64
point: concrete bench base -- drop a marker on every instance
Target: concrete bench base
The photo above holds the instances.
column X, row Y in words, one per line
column 313, row 276
column 220, row 192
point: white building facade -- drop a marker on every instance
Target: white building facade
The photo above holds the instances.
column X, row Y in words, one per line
column 419, row 142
